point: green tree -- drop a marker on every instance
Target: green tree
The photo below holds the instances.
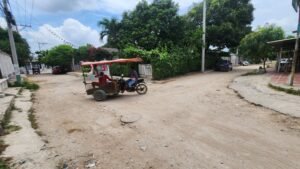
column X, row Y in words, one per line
column 22, row 47
column 254, row 46
column 59, row 56
column 110, row 29
column 228, row 21
column 148, row 26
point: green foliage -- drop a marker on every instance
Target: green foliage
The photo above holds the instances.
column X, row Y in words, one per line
column 254, row 46
column 286, row 90
column 30, row 85
column 110, row 29
column 148, row 26
column 59, row 56
column 119, row 69
column 4, row 164
column 172, row 63
column 228, row 21
column 22, row 47
column 27, row 85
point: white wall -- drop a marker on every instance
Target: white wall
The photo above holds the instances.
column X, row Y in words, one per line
column 145, row 70
column 6, row 65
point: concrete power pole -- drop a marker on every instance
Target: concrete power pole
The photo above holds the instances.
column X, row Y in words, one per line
column 12, row 43
column 296, row 52
column 203, row 37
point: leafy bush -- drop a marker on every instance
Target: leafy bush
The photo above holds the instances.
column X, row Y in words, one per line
column 27, row 85
column 165, row 63
column 119, row 69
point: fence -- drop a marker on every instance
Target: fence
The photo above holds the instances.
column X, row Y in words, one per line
column 145, row 70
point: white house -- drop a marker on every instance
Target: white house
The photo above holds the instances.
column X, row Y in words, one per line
column 6, row 70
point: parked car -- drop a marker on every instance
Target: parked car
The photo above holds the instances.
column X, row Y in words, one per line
column 60, row 70
column 244, row 63
column 223, row 65
column 36, row 70
column 285, row 60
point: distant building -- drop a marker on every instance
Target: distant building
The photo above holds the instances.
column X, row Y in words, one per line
column 6, row 70
column 285, row 51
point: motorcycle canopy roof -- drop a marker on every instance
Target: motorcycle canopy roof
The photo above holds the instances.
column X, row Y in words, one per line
column 109, row 62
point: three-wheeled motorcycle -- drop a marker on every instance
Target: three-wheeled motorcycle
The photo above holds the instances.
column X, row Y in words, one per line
column 113, row 88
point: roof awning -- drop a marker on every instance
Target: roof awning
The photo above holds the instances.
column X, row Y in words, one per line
column 288, row 44
column 108, row 62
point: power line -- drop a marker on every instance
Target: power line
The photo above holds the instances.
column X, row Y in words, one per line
column 32, row 5
column 25, row 12
column 32, row 18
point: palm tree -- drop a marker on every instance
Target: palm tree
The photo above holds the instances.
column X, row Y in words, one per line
column 110, row 29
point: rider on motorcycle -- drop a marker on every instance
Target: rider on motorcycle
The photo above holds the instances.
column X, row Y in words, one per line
column 133, row 77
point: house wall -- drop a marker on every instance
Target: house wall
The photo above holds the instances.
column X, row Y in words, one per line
column 6, row 65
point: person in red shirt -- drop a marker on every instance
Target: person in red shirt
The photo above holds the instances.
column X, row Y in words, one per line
column 102, row 80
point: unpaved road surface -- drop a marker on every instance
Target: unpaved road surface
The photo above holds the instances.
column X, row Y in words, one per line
column 191, row 122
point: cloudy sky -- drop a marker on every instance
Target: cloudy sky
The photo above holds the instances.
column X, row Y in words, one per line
column 75, row 21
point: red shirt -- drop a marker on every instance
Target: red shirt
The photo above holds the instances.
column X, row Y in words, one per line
column 103, row 80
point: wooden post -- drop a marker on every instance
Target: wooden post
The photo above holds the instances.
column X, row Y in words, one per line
column 279, row 60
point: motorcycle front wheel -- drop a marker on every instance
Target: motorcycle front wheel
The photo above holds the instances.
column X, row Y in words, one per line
column 141, row 88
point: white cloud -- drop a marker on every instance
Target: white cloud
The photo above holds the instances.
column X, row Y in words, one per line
column 71, row 30
column 185, row 5
column 3, row 23
column 287, row 23
column 111, row 6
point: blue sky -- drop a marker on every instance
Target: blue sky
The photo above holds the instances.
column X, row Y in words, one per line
column 75, row 21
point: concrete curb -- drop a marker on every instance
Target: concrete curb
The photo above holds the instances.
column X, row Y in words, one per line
column 260, row 94
column 6, row 103
column 286, row 89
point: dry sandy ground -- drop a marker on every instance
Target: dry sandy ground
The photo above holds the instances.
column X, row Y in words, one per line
column 191, row 122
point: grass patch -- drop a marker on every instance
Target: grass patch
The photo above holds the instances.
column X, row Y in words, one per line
column 32, row 118
column 20, row 91
column 12, row 128
column 3, row 146
column 286, row 90
column 27, row 85
column 3, row 161
column 74, row 130
column 7, row 117
column 255, row 72
column 3, row 164
column 39, row 133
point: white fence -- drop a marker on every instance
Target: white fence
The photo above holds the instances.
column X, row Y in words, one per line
column 6, row 66
column 145, row 70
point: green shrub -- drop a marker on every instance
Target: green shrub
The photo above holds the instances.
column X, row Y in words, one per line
column 165, row 62
column 119, row 69
column 27, row 85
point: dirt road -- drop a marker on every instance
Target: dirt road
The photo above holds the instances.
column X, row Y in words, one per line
column 191, row 122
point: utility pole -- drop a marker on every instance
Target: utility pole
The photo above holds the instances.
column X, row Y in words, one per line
column 203, row 37
column 41, row 43
column 12, row 42
column 292, row 75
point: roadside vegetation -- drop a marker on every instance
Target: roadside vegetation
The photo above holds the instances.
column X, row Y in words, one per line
column 254, row 46
column 7, row 128
column 169, row 41
column 26, row 85
column 286, row 90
